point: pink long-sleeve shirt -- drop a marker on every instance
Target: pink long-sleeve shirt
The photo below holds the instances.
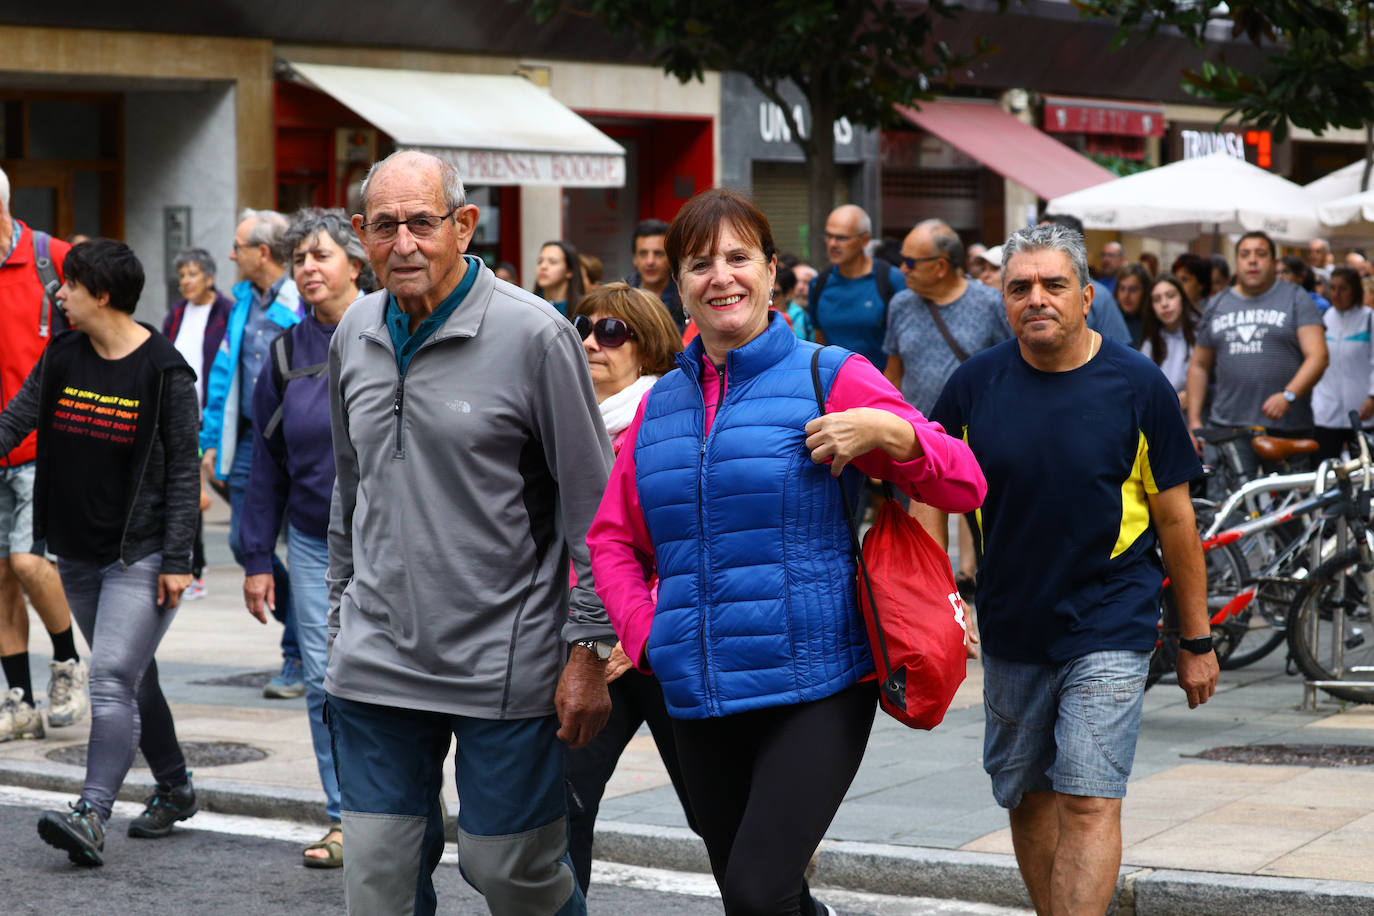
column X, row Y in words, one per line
column 946, row 476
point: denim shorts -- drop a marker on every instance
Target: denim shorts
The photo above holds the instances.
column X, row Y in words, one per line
column 1069, row 727
column 16, row 509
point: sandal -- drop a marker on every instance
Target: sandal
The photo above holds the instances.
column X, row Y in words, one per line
column 333, row 847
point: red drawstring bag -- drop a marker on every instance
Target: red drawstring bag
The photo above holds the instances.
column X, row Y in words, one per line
column 915, row 618
column 911, row 606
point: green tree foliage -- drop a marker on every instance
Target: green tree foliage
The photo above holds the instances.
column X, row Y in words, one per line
column 849, row 58
column 1319, row 72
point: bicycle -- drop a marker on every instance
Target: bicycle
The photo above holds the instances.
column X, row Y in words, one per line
column 1329, row 620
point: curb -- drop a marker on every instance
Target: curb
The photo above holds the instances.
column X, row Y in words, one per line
column 870, row 867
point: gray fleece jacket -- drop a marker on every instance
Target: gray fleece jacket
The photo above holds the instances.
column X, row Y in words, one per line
column 463, row 489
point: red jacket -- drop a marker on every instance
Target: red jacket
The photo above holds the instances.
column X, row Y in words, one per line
column 21, row 305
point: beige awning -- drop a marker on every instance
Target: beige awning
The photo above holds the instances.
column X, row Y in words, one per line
column 496, row 130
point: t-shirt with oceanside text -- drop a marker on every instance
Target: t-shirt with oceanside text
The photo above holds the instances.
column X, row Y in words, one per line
column 1257, row 353
column 1069, row 561
column 91, row 451
column 976, row 320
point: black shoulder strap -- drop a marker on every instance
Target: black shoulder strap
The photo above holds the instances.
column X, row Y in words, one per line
column 282, row 373
column 882, row 276
column 939, row 320
column 887, row 687
column 47, row 275
column 814, row 302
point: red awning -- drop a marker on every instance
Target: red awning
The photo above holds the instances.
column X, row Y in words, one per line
column 1018, row 151
column 1064, row 115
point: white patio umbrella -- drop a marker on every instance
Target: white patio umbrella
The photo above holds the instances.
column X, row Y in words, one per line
column 1343, row 182
column 1350, row 217
column 1195, row 197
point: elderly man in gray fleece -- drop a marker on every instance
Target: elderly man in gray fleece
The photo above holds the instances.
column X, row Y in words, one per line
column 471, row 458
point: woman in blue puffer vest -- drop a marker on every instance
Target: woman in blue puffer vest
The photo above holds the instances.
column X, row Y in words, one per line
column 727, row 493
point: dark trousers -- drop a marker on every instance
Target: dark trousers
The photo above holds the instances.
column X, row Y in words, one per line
column 764, row 786
column 635, row 699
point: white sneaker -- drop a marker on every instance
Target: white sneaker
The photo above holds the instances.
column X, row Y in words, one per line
column 18, row 719
column 195, row 591
column 68, row 691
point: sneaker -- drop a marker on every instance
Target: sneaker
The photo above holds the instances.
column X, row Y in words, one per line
column 287, row 685
column 195, row 591
column 68, row 691
column 19, row 719
column 164, row 808
column 78, row 831
column 823, row 909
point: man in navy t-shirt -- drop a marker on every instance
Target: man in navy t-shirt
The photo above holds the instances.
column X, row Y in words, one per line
column 1088, row 461
column 851, row 309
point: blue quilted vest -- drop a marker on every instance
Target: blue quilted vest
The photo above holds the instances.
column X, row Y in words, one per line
column 756, row 603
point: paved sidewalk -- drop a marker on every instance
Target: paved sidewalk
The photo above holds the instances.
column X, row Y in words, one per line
column 1200, row 836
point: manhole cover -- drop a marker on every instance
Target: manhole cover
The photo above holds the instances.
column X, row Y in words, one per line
column 1303, row 755
column 198, row 754
column 246, row 679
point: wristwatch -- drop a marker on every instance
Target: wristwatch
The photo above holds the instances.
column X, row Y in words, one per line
column 1289, row 396
column 601, row 648
column 1200, row 646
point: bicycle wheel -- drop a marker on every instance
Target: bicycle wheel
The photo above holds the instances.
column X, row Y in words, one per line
column 1227, row 574
column 1312, row 632
column 1260, row 625
column 1165, row 656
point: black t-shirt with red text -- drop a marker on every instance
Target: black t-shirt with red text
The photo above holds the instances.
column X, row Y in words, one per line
column 91, row 452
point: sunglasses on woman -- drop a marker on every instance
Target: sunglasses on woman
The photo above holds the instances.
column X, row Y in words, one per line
column 610, row 332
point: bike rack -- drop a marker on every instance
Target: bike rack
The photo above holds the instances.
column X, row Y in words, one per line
column 1309, row 690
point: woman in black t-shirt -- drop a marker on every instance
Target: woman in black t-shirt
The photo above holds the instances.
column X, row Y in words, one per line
column 116, row 495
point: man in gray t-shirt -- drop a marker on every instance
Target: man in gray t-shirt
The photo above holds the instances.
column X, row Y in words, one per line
column 920, row 360
column 1265, row 344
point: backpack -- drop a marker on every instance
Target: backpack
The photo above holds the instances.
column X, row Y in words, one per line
column 282, row 374
column 47, row 275
column 882, row 276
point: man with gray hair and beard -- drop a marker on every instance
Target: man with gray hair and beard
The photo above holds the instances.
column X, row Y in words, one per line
column 1088, row 461
column 471, row 457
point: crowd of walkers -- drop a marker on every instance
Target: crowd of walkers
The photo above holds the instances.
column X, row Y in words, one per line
column 534, row 521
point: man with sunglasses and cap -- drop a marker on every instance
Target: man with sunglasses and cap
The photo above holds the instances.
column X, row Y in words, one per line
column 471, row 457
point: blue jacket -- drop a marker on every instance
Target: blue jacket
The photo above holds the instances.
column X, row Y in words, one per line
column 219, row 426
column 756, row 603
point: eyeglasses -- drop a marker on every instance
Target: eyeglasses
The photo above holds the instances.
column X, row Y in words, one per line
column 610, row 332
column 910, row 263
column 421, row 227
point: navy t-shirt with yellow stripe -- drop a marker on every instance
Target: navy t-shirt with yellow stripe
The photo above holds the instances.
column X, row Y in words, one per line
column 1069, row 561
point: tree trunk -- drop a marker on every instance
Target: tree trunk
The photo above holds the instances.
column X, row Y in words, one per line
column 1368, row 155
column 822, row 165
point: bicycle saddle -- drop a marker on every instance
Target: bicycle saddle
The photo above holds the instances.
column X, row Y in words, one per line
column 1272, row 448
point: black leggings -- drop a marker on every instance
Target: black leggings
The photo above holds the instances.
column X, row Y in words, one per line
column 765, row 785
column 635, row 698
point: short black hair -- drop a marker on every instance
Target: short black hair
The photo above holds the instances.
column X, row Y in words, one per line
column 1256, row 234
column 786, row 279
column 1063, row 219
column 106, row 266
column 647, row 227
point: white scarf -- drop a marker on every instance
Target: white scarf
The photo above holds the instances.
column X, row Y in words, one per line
column 618, row 410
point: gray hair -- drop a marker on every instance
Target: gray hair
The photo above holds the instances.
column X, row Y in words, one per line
column 945, row 241
column 268, row 228
column 1049, row 237
column 4, row 192
column 311, row 221
column 197, row 256
column 454, row 194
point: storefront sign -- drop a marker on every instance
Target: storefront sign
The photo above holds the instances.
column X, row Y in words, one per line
column 1254, row 146
column 499, row 167
column 773, row 125
column 1086, row 116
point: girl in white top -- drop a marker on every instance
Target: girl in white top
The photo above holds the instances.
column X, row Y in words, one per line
column 1348, row 383
column 1168, row 333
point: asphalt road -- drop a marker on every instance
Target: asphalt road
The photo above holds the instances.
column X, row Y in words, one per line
column 238, row 866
